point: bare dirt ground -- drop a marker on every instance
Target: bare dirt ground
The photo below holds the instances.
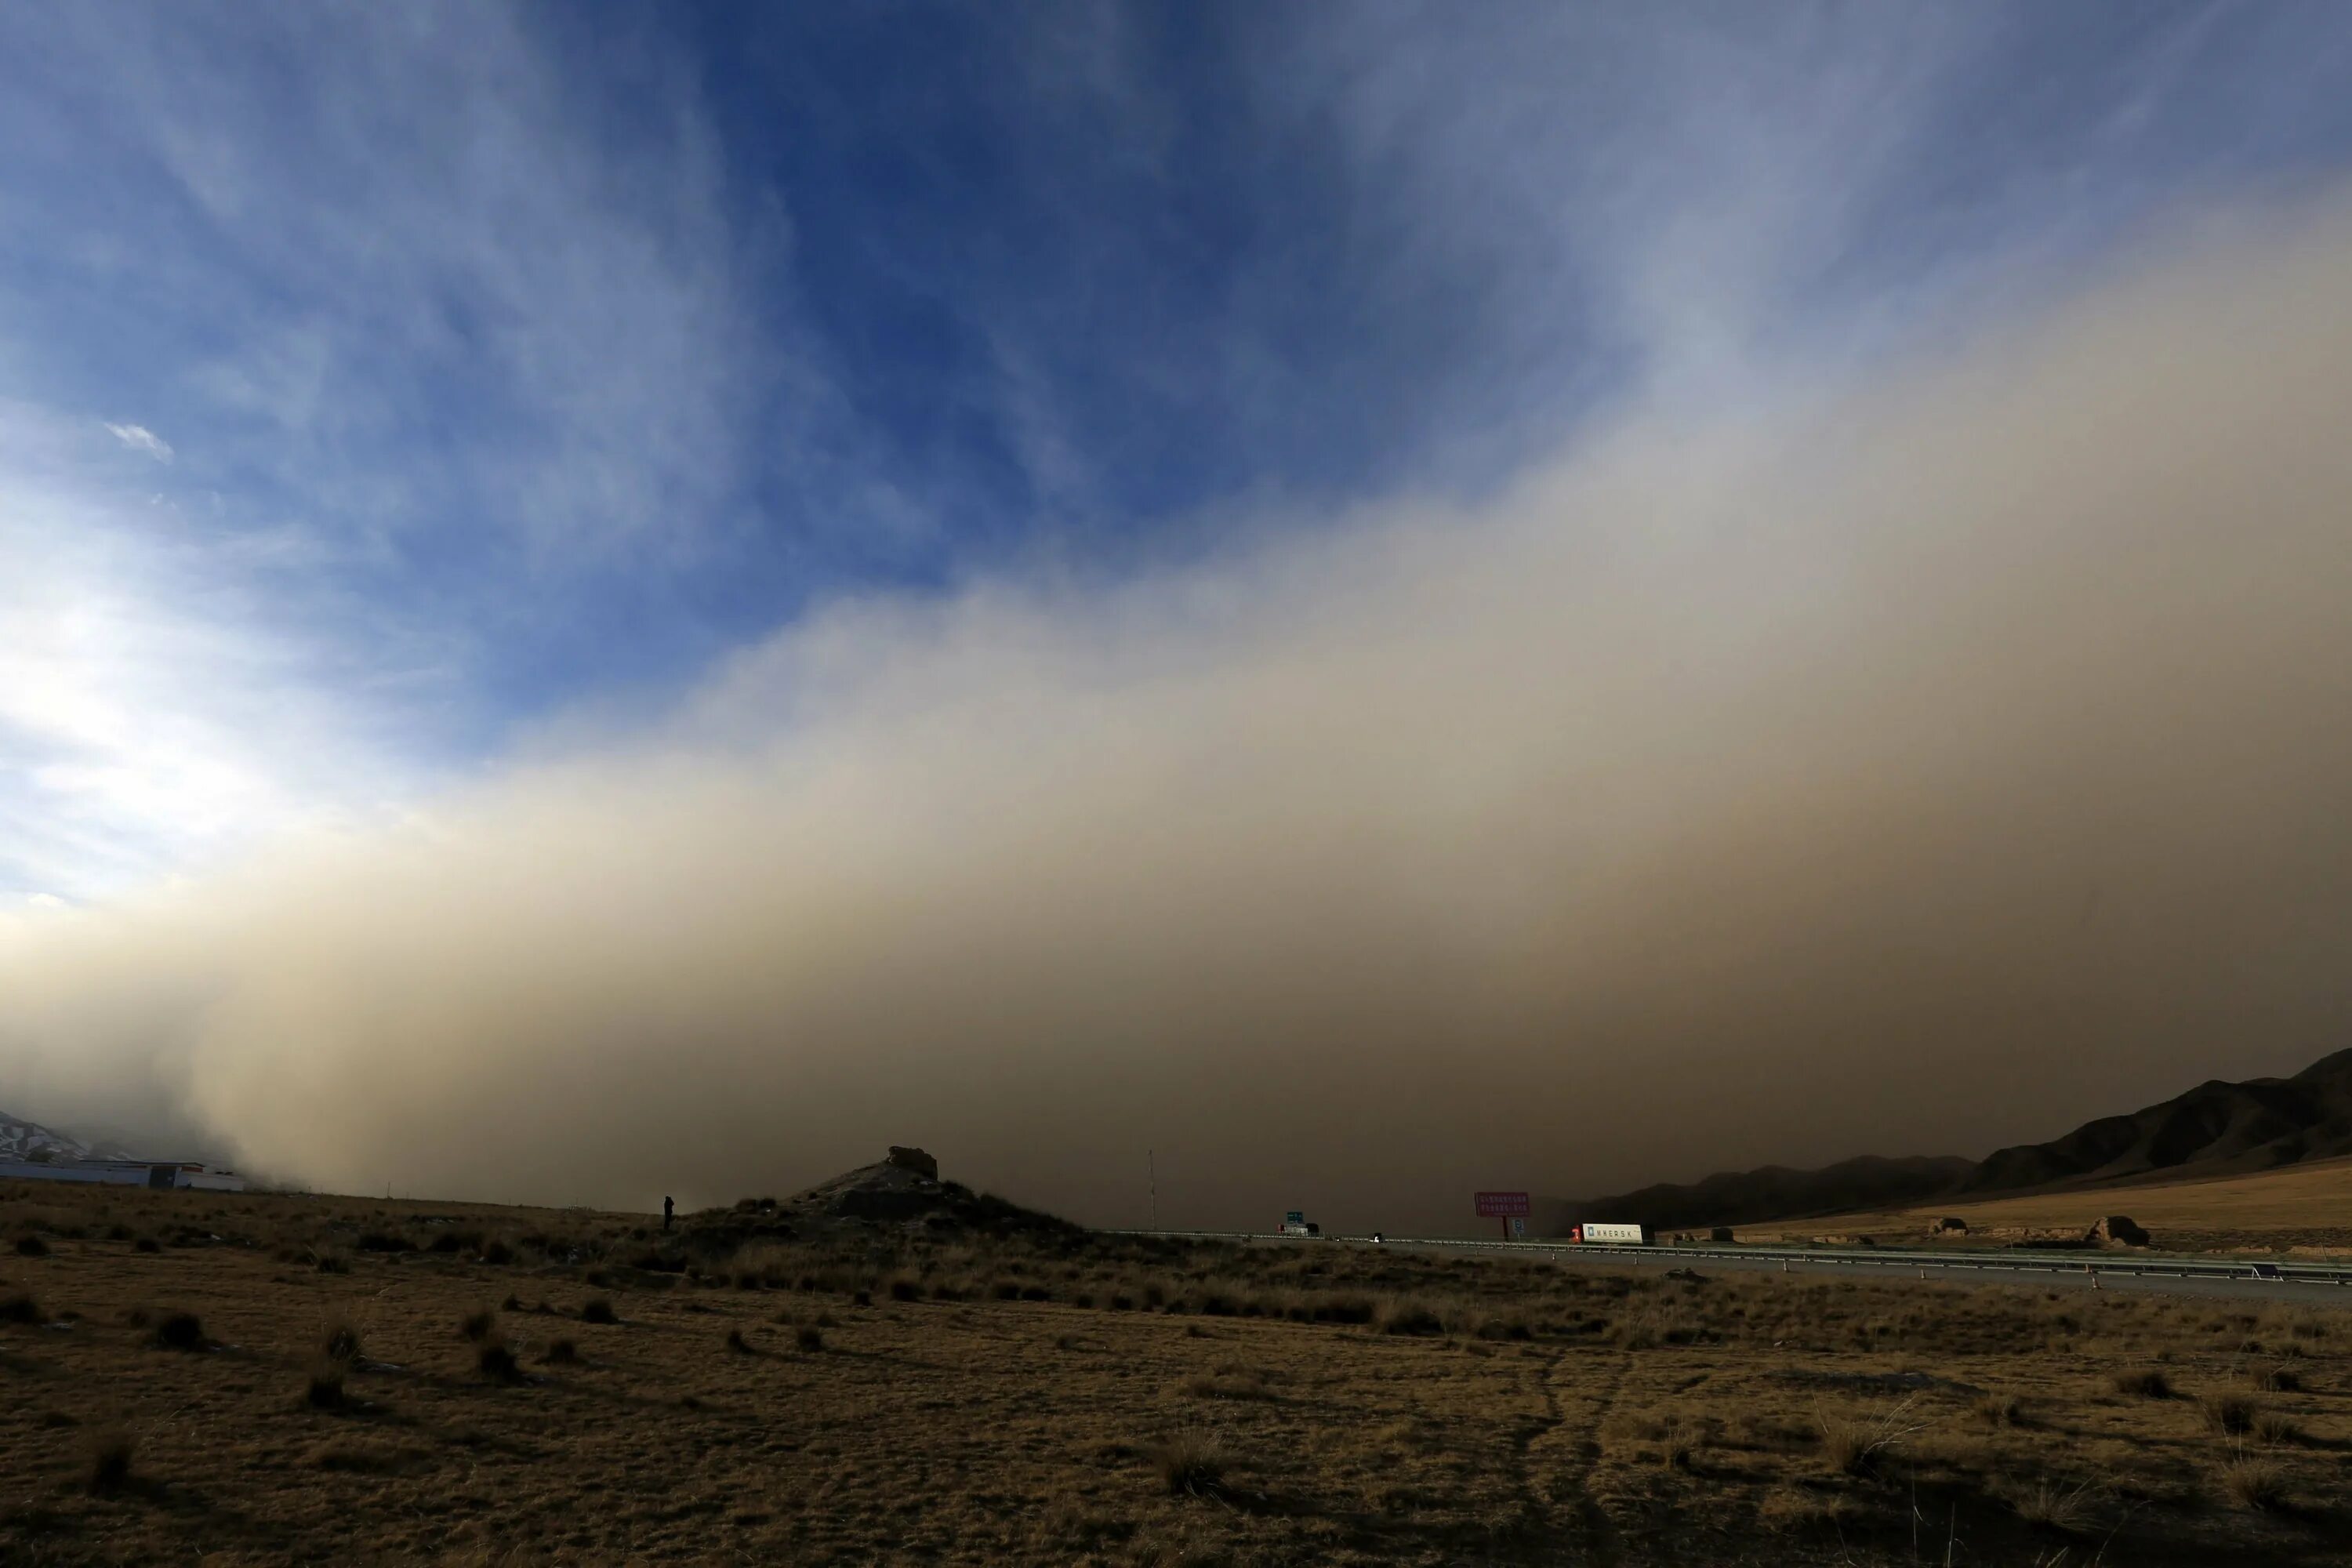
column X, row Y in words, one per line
column 369, row 1382
column 2304, row 1209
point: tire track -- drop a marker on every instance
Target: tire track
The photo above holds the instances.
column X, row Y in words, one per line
column 1580, row 1517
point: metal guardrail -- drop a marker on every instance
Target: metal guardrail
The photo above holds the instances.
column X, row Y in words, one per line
column 2021, row 1261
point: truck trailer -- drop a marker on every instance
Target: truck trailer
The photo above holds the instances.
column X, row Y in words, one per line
column 1617, row 1234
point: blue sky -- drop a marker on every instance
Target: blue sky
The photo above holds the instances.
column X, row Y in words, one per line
column 382, row 387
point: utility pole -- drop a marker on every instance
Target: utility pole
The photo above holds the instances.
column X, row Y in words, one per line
column 1151, row 1181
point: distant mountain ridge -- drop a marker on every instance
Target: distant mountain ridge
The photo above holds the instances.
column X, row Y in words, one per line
column 2214, row 1129
column 23, row 1140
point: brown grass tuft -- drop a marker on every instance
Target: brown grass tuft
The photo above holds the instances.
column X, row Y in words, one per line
column 2230, row 1414
column 1999, row 1410
column 2050, row 1503
column 2148, row 1383
column 110, row 1452
column 1861, row 1445
column 598, row 1311
column 495, row 1359
column 809, row 1338
column 325, row 1387
column 2274, row 1378
column 2254, row 1482
column 2275, row 1429
column 1191, row 1463
column 181, row 1331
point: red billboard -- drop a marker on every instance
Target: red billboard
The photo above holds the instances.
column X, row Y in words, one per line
column 1504, row 1206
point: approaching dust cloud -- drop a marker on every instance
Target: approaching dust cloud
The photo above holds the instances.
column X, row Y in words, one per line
column 1927, row 766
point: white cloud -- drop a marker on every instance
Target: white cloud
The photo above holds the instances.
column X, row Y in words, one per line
column 139, row 438
column 159, row 709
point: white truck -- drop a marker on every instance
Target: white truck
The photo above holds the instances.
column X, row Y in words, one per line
column 1619, row 1235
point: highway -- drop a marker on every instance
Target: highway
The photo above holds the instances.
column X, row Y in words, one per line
column 2174, row 1274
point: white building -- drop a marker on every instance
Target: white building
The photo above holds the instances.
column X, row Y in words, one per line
column 125, row 1173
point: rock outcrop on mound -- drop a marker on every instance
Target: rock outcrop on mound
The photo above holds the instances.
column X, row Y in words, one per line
column 903, row 1191
column 2116, row 1230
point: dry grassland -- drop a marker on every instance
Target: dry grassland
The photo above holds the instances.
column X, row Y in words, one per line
column 2305, row 1208
column 297, row 1390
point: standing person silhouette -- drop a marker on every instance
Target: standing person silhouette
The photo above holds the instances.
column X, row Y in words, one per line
column 669, row 1206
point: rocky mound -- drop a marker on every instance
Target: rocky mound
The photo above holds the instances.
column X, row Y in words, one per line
column 900, row 1193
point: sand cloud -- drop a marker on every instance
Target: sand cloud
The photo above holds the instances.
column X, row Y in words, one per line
column 1913, row 769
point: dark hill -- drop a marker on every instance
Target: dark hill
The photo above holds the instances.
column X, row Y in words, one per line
column 2216, row 1129
column 1777, row 1191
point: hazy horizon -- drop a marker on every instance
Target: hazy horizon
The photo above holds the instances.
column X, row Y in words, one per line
column 1909, row 726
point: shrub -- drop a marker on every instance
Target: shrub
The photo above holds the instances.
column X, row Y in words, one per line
column 478, row 1326
column 19, row 1307
column 31, row 1247
column 146, row 1244
column 2229, row 1415
column 598, row 1311
column 110, row 1451
column 1191, row 1463
column 497, row 1362
column 2251, row 1481
column 2149, row 1383
column 563, row 1353
column 737, row 1343
column 181, row 1331
column 903, row 1289
column 1999, row 1410
column 513, row 1303
column 810, row 1338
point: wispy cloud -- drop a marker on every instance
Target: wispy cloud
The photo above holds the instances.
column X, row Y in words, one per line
column 139, row 438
